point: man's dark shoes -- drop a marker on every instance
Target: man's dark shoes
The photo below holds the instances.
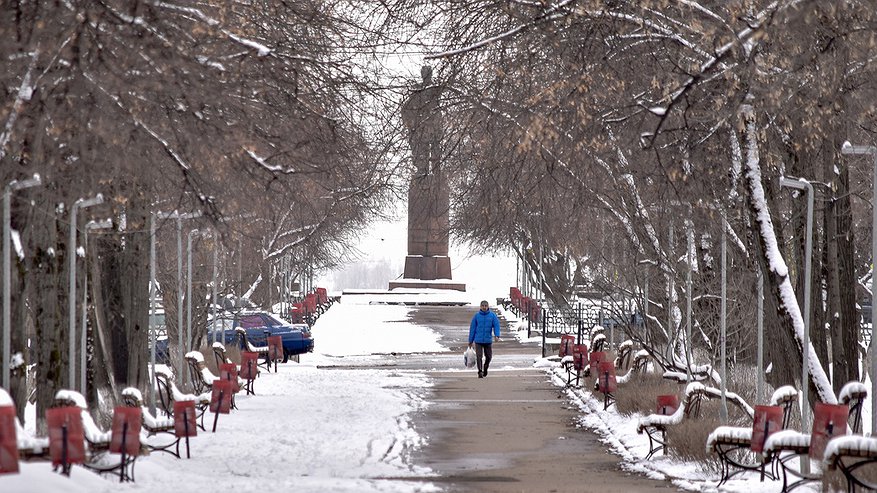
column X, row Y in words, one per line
column 480, row 375
column 485, row 372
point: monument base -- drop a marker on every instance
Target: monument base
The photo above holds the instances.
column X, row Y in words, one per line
column 446, row 284
column 427, row 268
column 432, row 272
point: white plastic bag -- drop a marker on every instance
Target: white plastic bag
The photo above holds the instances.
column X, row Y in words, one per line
column 469, row 358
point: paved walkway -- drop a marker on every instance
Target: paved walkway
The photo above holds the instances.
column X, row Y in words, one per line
column 511, row 431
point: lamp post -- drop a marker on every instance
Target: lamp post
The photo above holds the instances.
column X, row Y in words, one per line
column 179, row 218
column 723, row 412
column 192, row 233
column 759, row 385
column 7, row 268
column 71, row 265
column 846, row 148
column 800, row 184
column 83, row 339
column 689, row 245
column 214, row 290
column 152, row 292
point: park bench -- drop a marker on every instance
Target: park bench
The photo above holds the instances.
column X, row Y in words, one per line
column 639, row 366
column 28, row 446
column 204, row 380
column 169, row 395
column 262, row 351
column 598, row 342
column 100, row 444
column 573, row 359
column 733, row 443
column 829, row 420
column 249, row 369
column 625, row 349
column 202, row 377
column 655, row 426
column 850, row 454
column 219, row 354
column 153, row 425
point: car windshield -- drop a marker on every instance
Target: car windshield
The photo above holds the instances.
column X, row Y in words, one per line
column 269, row 320
column 250, row 321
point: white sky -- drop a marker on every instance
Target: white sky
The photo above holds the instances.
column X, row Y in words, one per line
column 486, row 277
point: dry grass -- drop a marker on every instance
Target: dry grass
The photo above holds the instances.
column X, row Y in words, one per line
column 639, row 395
column 687, row 440
column 231, row 352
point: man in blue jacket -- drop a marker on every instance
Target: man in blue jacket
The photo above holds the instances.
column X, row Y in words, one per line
column 483, row 331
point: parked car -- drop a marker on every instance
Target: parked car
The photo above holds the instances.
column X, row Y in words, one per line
column 259, row 325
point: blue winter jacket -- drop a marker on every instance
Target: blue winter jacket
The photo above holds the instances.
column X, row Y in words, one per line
column 480, row 328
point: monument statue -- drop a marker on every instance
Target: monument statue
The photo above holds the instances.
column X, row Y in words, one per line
column 428, row 193
column 423, row 120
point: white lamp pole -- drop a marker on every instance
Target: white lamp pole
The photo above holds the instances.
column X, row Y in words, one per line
column 192, row 233
column 153, row 291
column 83, row 339
column 870, row 151
column 723, row 412
column 71, row 265
column 800, row 184
column 7, row 268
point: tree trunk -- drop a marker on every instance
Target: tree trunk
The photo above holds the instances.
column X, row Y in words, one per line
column 775, row 268
column 832, row 281
column 124, row 308
column 48, row 278
column 18, row 295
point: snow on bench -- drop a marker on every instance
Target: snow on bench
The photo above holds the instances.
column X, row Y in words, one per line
column 96, row 437
column 797, row 444
column 640, row 360
column 169, row 393
column 849, row 454
column 176, row 394
column 598, row 342
column 152, row 423
column 28, row 446
column 202, row 377
column 785, row 396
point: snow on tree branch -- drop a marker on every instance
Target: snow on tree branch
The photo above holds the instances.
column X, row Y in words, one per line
column 777, row 267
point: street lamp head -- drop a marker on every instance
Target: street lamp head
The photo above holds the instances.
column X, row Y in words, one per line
column 848, row 148
column 27, row 183
column 102, row 224
column 83, row 203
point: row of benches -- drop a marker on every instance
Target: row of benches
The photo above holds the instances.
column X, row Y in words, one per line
column 767, row 447
column 74, row 438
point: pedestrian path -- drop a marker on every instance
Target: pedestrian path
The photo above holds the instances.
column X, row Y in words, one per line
column 514, row 431
column 511, row 431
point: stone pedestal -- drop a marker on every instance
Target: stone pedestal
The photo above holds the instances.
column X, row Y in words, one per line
column 428, row 222
column 427, row 264
column 427, row 267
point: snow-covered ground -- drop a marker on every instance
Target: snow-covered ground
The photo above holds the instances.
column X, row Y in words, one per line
column 308, row 428
column 328, row 424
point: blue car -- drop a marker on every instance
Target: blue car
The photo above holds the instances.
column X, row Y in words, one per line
column 259, row 325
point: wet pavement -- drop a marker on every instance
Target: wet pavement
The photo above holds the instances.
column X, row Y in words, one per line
column 511, row 431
